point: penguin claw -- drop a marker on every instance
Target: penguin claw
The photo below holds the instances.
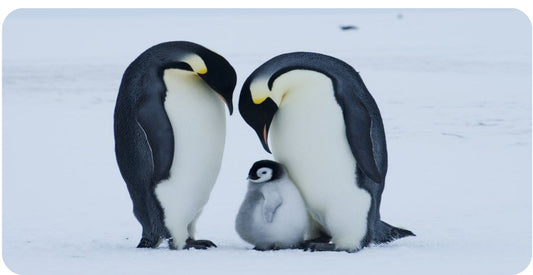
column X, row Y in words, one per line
column 321, row 239
column 313, row 247
column 198, row 244
column 171, row 244
column 317, row 244
column 147, row 243
column 272, row 248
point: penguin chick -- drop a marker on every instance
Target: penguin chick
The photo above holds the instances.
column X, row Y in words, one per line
column 273, row 214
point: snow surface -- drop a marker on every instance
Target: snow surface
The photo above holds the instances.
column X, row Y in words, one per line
column 453, row 86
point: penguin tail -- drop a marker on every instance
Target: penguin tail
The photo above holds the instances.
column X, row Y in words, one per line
column 387, row 233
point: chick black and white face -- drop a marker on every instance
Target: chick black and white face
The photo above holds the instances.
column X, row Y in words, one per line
column 263, row 174
column 264, row 171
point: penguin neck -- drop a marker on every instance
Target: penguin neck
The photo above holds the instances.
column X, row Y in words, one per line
column 302, row 85
column 175, row 77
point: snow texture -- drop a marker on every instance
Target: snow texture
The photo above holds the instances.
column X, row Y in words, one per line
column 453, row 87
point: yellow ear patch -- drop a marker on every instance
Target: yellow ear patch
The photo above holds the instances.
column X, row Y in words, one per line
column 196, row 62
column 201, row 70
column 259, row 91
column 259, row 100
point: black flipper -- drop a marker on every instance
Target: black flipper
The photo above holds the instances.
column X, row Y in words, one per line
column 154, row 121
column 358, row 123
column 272, row 201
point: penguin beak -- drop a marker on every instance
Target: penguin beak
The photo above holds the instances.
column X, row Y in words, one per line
column 267, row 112
column 264, row 138
column 230, row 106
column 220, row 76
column 225, row 90
column 258, row 116
column 252, row 177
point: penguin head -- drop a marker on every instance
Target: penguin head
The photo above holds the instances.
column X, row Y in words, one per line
column 219, row 75
column 258, row 103
column 264, row 90
column 258, row 116
column 265, row 171
column 214, row 69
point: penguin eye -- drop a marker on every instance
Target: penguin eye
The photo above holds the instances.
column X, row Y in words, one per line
column 263, row 172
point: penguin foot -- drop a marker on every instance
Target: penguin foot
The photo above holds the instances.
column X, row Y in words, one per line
column 198, row 244
column 272, row 248
column 261, row 249
column 312, row 246
column 171, row 244
column 148, row 243
column 322, row 239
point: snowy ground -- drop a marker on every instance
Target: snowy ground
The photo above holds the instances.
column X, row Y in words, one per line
column 453, row 86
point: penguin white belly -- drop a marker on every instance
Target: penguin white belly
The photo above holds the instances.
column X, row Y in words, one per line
column 288, row 225
column 198, row 120
column 308, row 136
column 290, row 222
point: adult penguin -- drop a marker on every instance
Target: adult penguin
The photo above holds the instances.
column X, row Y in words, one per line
column 327, row 130
column 169, row 137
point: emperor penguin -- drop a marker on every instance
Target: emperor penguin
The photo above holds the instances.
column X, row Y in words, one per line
column 170, row 128
column 273, row 213
column 327, row 130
